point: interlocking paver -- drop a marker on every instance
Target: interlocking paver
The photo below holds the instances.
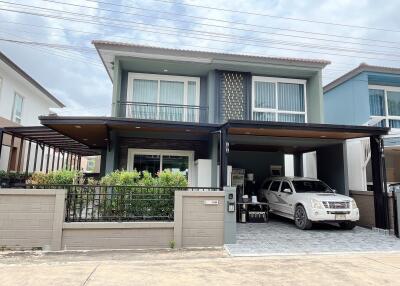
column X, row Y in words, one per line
column 280, row 236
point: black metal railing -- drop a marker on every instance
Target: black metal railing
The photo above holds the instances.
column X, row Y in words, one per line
column 86, row 203
column 163, row 111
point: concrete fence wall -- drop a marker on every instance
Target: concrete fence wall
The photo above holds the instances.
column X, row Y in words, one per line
column 31, row 219
column 199, row 219
column 34, row 219
column 114, row 235
column 365, row 203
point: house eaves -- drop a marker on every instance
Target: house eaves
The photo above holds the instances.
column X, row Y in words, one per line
column 360, row 69
column 27, row 77
column 112, row 49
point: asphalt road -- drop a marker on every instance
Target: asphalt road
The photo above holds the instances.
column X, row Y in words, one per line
column 196, row 267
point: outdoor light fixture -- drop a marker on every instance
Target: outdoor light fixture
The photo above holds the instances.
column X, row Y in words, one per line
column 138, row 127
column 78, row 126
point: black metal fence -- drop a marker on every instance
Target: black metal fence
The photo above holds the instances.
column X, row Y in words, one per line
column 85, row 203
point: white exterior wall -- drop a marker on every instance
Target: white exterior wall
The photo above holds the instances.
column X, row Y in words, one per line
column 202, row 170
column 35, row 102
column 356, row 172
column 310, row 165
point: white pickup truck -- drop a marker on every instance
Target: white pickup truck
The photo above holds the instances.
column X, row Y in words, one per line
column 307, row 200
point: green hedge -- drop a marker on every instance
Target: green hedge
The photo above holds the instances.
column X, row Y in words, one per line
column 120, row 194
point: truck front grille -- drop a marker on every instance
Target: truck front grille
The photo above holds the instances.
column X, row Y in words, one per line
column 337, row 205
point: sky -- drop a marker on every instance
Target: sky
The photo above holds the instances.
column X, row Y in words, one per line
column 345, row 32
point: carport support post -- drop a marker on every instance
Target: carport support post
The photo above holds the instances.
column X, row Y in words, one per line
column 298, row 164
column 379, row 182
column 1, row 140
column 224, row 149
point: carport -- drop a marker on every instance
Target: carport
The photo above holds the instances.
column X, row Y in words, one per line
column 328, row 141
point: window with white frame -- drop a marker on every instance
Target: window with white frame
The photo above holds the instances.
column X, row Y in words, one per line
column 16, row 115
column 153, row 161
column 163, row 97
column 384, row 103
column 279, row 99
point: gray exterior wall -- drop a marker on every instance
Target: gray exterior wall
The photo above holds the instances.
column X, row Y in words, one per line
column 315, row 100
column 98, row 235
column 227, row 94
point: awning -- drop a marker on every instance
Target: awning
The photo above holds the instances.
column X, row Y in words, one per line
column 95, row 132
column 302, row 130
column 46, row 136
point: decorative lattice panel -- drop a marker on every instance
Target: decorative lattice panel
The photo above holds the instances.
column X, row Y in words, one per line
column 233, row 96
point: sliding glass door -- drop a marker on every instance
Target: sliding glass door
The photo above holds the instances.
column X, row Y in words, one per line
column 163, row 97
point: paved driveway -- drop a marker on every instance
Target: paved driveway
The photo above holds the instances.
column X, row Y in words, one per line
column 280, row 236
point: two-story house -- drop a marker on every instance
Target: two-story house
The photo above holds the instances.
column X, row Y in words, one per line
column 22, row 101
column 367, row 95
column 209, row 115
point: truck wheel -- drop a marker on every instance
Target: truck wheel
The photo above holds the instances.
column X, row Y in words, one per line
column 348, row 225
column 300, row 218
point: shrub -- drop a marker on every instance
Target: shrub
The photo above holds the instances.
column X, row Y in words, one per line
column 146, row 201
column 60, row 177
column 12, row 179
column 121, row 178
column 167, row 178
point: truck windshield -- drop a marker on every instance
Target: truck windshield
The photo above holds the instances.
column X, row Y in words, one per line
column 311, row 187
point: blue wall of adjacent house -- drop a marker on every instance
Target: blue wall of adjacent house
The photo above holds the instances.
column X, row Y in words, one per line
column 348, row 103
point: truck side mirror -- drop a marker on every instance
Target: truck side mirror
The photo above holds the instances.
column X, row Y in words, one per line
column 287, row 191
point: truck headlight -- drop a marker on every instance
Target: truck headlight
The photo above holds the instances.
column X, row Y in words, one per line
column 353, row 204
column 316, row 204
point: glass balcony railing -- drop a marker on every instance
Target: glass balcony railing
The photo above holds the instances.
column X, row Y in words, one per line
column 163, row 111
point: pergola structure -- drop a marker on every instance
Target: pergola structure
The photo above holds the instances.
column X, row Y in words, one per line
column 62, row 151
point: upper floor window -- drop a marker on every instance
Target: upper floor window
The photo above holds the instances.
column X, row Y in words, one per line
column 163, row 97
column 279, row 99
column 384, row 103
column 17, row 108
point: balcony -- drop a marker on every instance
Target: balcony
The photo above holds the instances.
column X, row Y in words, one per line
column 163, row 111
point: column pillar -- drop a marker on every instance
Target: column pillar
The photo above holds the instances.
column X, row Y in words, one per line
column 379, row 182
column 298, row 164
column 224, row 150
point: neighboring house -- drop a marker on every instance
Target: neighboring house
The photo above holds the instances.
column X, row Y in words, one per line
column 367, row 95
column 22, row 101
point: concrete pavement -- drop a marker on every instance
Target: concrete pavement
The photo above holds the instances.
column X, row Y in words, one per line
column 205, row 267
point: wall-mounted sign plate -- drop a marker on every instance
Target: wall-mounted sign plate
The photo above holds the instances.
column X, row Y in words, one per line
column 211, row 202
